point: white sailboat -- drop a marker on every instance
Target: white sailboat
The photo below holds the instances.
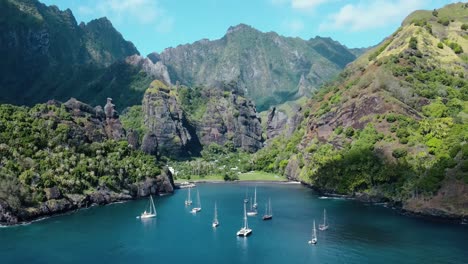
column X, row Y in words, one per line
column 313, row 241
column 189, row 199
column 268, row 212
column 215, row 219
column 324, row 226
column 255, row 199
column 152, row 210
column 198, row 208
column 252, row 212
column 246, row 200
column 245, row 230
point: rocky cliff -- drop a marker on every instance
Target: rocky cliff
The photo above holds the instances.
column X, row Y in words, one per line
column 268, row 68
column 178, row 121
column 59, row 157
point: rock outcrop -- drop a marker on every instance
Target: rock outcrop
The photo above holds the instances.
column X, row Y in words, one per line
column 156, row 70
column 167, row 122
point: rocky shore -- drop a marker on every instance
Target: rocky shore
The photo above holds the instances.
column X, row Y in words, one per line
column 58, row 203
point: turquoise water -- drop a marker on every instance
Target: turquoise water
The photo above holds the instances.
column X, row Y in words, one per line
column 358, row 233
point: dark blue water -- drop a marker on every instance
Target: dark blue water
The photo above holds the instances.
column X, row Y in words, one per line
column 358, row 233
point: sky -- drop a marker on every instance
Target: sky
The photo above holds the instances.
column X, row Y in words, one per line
column 153, row 25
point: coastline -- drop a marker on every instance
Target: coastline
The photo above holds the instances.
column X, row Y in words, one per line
column 77, row 209
column 393, row 205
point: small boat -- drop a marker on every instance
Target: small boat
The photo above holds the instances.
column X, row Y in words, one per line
column 268, row 213
column 189, row 199
column 252, row 212
column 152, row 210
column 255, row 199
column 245, row 230
column 313, row 241
column 324, row 226
column 215, row 219
column 246, row 200
column 198, row 208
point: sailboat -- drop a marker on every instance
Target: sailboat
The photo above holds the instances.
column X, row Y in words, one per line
column 255, row 199
column 189, row 199
column 152, row 210
column 252, row 212
column 268, row 213
column 314, row 236
column 198, row 208
column 245, row 230
column 215, row 220
column 324, row 226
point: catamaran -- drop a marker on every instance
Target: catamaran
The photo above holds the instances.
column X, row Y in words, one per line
column 215, row 220
column 268, row 213
column 252, row 212
column 255, row 199
column 152, row 210
column 189, row 199
column 245, row 230
column 198, row 208
column 314, row 236
column 324, row 226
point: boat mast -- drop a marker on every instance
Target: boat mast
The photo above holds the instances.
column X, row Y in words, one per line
column 152, row 203
column 315, row 232
column 188, row 199
column 255, row 196
column 216, row 214
column 269, row 207
column 198, row 199
column 246, row 225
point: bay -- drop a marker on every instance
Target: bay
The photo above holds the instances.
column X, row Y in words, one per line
column 358, row 233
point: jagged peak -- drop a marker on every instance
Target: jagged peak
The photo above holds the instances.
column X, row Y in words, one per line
column 239, row 27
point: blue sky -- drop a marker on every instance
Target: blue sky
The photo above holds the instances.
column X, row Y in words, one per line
column 153, row 25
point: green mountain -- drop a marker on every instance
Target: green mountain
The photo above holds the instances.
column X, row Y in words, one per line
column 393, row 127
column 47, row 55
column 267, row 68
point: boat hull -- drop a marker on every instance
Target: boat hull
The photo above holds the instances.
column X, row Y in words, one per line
column 188, row 202
column 267, row 217
column 147, row 216
column 323, row 228
column 244, row 232
column 252, row 213
column 215, row 224
column 196, row 210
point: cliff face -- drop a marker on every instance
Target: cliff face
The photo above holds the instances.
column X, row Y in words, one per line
column 178, row 120
column 167, row 123
column 266, row 67
column 60, row 157
column 230, row 118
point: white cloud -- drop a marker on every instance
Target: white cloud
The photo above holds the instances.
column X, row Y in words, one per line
column 301, row 5
column 144, row 12
column 293, row 26
column 370, row 14
column 307, row 4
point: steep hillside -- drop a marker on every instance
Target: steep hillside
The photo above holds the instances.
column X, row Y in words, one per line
column 268, row 68
column 58, row 157
column 394, row 126
column 47, row 55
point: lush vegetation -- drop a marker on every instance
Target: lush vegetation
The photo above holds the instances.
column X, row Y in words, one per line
column 46, row 146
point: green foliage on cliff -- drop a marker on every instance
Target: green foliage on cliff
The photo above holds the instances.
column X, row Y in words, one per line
column 41, row 147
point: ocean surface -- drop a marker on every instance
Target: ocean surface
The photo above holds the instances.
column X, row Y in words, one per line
column 358, row 233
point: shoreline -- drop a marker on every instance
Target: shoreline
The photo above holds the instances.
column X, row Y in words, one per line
column 390, row 204
column 69, row 212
